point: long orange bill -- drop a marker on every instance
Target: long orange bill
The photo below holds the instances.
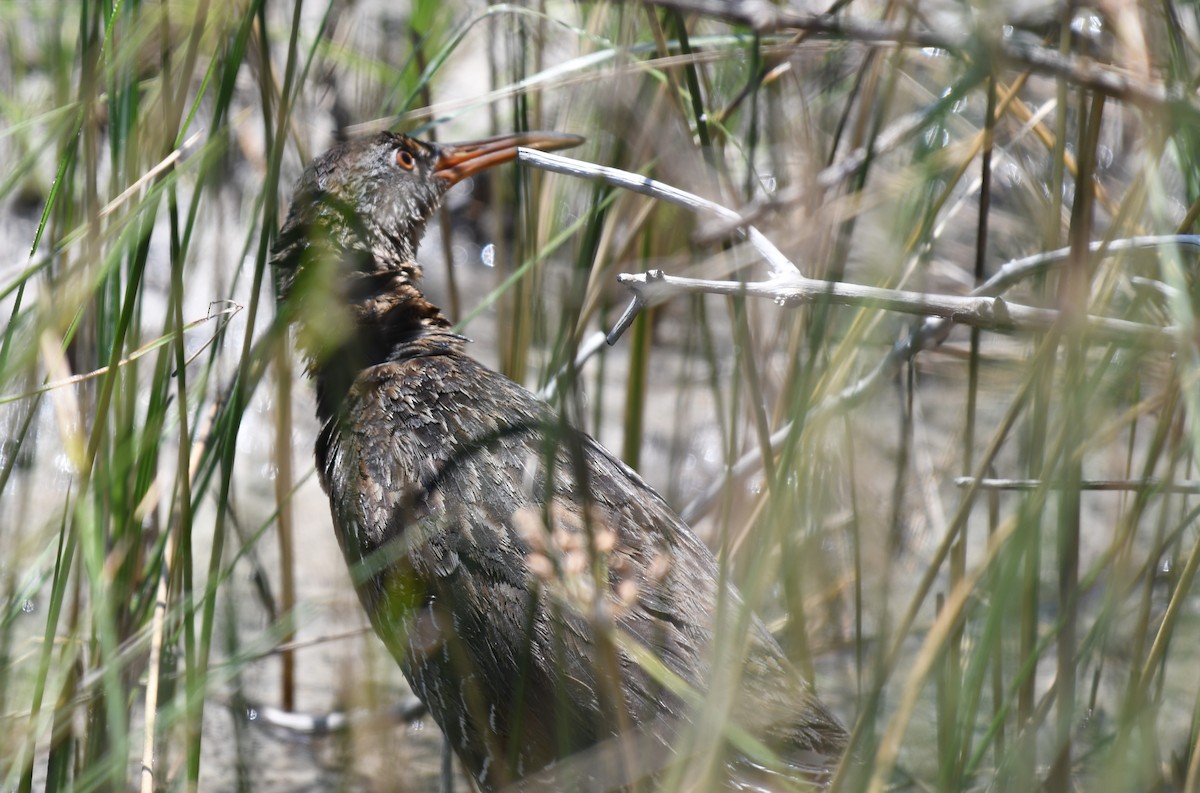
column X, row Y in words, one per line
column 457, row 161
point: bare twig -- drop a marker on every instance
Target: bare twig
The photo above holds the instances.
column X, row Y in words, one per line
column 779, row 264
column 766, row 17
column 405, row 711
column 590, row 346
column 1115, row 485
column 986, row 312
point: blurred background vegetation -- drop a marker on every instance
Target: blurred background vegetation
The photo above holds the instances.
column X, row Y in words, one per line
column 980, row 542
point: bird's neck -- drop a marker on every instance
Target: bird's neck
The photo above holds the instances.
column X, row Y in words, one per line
column 391, row 320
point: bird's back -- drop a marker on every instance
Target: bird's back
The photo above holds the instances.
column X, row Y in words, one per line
column 539, row 596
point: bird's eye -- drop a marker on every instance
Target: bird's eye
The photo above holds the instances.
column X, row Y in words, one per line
column 405, row 160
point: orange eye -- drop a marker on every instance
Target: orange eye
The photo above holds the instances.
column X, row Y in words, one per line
column 405, row 160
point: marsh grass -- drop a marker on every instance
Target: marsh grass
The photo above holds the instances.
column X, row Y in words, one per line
column 1033, row 623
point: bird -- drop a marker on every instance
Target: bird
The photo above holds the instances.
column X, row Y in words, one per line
column 555, row 615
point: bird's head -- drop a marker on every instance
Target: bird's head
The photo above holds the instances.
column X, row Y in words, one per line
column 360, row 208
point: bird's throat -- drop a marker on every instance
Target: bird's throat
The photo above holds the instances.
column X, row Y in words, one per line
column 390, row 320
